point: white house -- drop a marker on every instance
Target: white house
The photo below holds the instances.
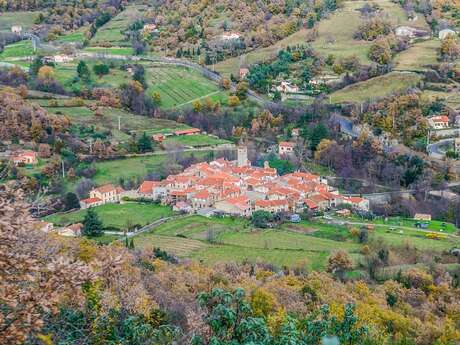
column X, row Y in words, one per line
column 439, row 122
column 63, row 58
column 226, row 36
column 446, row 32
column 16, row 29
column 287, row 87
column 286, row 148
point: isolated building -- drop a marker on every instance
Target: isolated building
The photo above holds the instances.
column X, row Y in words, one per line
column 286, row 148
column 439, row 122
column 446, row 32
column 24, row 157
column 16, row 29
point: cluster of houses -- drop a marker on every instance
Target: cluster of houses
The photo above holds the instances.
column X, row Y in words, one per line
column 238, row 188
column 234, row 188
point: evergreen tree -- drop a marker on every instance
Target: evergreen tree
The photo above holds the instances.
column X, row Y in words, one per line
column 36, row 65
column 83, row 71
column 71, row 201
column 144, row 143
column 131, row 243
column 92, row 225
column 139, row 75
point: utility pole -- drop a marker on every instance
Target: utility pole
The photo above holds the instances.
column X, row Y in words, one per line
column 90, row 145
column 119, row 123
column 63, row 168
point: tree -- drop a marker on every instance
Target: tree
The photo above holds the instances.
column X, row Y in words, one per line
column 92, row 225
column 101, row 69
column 339, row 263
column 317, row 133
column 139, row 75
column 380, row 51
column 35, row 273
column 36, row 65
column 261, row 219
column 144, row 144
column 156, row 97
column 45, row 73
column 450, row 49
column 233, row 101
column 83, row 71
column 71, row 201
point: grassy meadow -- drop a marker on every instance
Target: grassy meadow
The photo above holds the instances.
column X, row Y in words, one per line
column 377, row 87
column 23, row 18
column 111, row 32
column 116, row 215
column 418, row 56
column 219, row 240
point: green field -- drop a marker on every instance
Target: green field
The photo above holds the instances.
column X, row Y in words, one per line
column 376, row 87
column 76, row 36
column 335, row 36
column 195, row 140
column 418, row 56
column 179, row 86
column 111, row 171
column 111, row 32
column 214, row 240
column 116, row 215
column 16, row 50
column 23, row 18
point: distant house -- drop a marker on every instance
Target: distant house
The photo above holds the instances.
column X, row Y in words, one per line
column 102, row 195
column 286, row 148
column 272, row 206
column 358, row 203
column 190, row 131
column 287, row 87
column 457, row 145
column 90, row 202
column 446, row 32
column 24, row 157
column 63, row 58
column 182, row 206
column 149, row 28
column 422, row 217
column 439, row 122
column 295, row 132
column 238, row 206
column 226, row 36
column 16, row 29
column 158, row 137
column 72, row 230
column 243, row 72
column 410, row 32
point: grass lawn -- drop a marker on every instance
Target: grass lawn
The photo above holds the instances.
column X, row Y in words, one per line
column 23, row 18
column 179, row 86
column 111, row 32
column 117, row 215
column 18, row 49
column 111, row 171
column 182, row 247
column 76, row 36
column 376, row 87
column 195, row 140
column 417, row 56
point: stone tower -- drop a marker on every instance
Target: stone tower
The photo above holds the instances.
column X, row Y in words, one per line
column 242, row 159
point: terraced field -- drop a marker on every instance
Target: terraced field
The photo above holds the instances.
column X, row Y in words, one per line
column 308, row 243
column 17, row 50
column 180, row 86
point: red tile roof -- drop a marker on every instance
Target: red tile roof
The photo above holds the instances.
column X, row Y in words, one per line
column 287, row 144
column 90, row 201
column 187, row 131
column 147, row 187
